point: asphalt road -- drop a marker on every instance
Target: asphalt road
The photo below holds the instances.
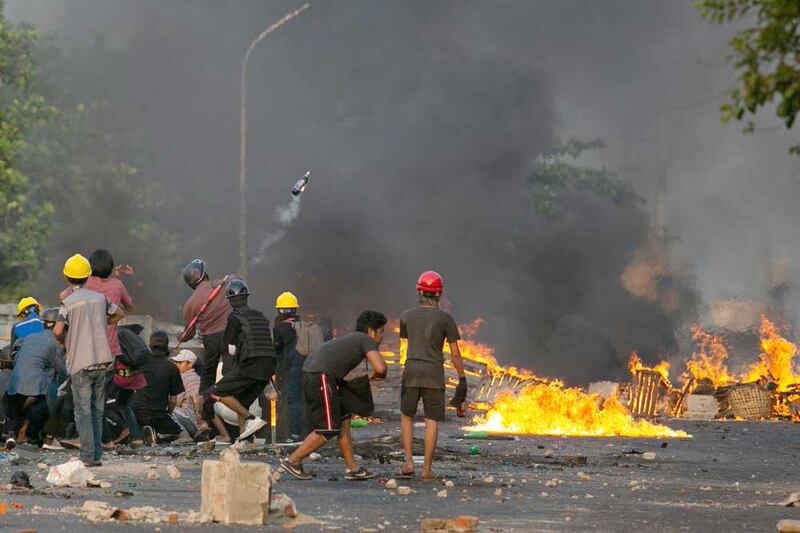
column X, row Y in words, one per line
column 723, row 479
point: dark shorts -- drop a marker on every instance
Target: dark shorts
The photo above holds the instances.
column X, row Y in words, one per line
column 323, row 404
column 247, row 381
column 432, row 402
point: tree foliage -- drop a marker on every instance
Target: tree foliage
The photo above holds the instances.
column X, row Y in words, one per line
column 766, row 53
column 24, row 221
column 68, row 181
column 556, row 172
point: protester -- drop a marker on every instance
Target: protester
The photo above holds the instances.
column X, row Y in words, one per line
column 248, row 338
column 328, row 412
column 128, row 378
column 186, row 405
column 154, row 403
column 37, row 367
column 211, row 323
column 288, row 372
column 28, row 310
column 113, row 288
column 82, row 320
column 426, row 327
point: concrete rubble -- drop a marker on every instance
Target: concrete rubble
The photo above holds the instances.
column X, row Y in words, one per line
column 460, row 524
column 233, row 492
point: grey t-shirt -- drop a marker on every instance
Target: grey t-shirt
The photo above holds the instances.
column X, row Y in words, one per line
column 86, row 314
column 339, row 356
column 426, row 329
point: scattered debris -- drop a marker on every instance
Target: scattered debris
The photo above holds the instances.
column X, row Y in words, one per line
column 460, row 524
column 391, row 484
column 403, row 490
column 153, row 474
column 488, row 480
column 649, row 456
column 498, row 492
column 71, row 474
column 20, row 479
column 123, row 494
column 442, row 493
column 789, row 526
column 314, row 456
column 94, row 483
column 282, row 505
column 449, row 484
column 551, row 483
column 173, row 472
column 793, row 500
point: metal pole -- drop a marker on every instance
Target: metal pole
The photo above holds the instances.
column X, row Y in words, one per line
column 243, row 138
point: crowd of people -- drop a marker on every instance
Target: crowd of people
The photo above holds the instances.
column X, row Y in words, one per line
column 73, row 377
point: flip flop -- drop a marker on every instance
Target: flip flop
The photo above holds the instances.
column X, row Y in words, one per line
column 435, row 477
column 404, row 475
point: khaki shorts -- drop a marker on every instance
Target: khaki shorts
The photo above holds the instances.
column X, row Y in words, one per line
column 432, row 402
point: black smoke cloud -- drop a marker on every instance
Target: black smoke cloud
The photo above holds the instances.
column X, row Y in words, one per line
column 420, row 121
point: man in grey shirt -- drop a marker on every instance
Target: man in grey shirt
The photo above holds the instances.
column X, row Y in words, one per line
column 82, row 320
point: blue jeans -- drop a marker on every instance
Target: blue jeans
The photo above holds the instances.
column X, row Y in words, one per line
column 125, row 403
column 89, row 397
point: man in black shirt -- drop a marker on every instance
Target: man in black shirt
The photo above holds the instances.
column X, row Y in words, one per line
column 323, row 378
column 249, row 340
column 289, row 371
column 154, row 403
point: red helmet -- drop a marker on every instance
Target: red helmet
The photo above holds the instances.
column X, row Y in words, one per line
column 430, row 281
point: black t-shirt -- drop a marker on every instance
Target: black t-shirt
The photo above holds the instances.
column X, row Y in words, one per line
column 285, row 338
column 426, row 329
column 163, row 381
column 339, row 356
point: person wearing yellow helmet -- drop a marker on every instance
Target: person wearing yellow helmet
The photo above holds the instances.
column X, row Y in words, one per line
column 289, row 371
column 28, row 310
column 89, row 359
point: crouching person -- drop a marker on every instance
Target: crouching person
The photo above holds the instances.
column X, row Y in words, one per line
column 323, row 379
column 35, row 371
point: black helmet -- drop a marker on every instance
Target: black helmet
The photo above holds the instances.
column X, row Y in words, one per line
column 236, row 287
column 50, row 317
column 194, row 272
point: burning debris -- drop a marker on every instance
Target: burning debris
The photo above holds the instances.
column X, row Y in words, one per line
column 553, row 409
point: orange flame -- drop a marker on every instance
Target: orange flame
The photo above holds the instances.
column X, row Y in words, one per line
column 635, row 365
column 553, row 409
column 710, row 361
column 776, row 362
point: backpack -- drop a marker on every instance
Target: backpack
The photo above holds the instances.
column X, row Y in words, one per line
column 309, row 337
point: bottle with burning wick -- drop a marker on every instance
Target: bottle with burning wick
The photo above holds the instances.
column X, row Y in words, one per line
column 301, row 184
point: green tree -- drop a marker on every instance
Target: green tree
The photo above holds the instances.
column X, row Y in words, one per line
column 556, row 172
column 24, row 220
column 766, row 53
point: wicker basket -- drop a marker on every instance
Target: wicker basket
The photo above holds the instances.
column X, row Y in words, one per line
column 750, row 401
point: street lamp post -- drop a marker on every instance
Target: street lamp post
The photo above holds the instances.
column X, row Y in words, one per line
column 243, row 137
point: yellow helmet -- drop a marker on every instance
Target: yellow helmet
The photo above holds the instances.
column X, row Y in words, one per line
column 27, row 302
column 77, row 267
column 287, row 300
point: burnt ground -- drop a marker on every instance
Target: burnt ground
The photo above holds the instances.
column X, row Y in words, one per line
column 723, row 479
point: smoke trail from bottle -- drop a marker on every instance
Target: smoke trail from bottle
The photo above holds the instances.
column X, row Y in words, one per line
column 284, row 216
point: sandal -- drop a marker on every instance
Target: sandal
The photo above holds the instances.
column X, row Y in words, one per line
column 404, row 475
column 434, row 477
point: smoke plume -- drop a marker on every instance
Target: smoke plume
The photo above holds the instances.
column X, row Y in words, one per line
column 425, row 118
column 284, row 216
